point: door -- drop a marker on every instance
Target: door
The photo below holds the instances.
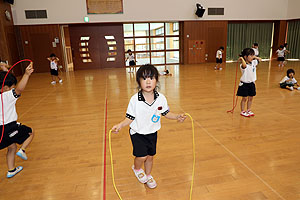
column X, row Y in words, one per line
column 196, row 51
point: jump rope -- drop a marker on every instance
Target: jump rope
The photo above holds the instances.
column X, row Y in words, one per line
column 194, row 160
column 2, row 93
column 235, row 98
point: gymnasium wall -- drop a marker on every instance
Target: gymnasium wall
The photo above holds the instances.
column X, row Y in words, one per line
column 293, row 9
column 73, row 11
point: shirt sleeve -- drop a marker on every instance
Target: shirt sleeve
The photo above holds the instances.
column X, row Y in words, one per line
column 294, row 81
column 284, row 79
column 11, row 95
column 165, row 108
column 130, row 113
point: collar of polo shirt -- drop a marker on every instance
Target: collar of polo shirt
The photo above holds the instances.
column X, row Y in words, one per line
column 142, row 98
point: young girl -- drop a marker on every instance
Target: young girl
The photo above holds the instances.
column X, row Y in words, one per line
column 255, row 49
column 289, row 82
column 143, row 115
column 280, row 55
column 131, row 60
column 219, row 58
column 247, row 81
column 53, row 68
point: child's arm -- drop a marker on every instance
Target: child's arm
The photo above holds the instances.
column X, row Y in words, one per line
column 258, row 58
column 4, row 67
column 178, row 117
column 49, row 59
column 21, row 86
column 116, row 128
column 244, row 65
column 57, row 59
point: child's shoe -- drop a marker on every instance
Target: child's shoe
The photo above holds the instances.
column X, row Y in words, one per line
column 245, row 114
column 298, row 88
column 12, row 174
column 53, row 82
column 21, row 154
column 151, row 183
column 60, row 81
column 140, row 175
column 220, row 68
column 250, row 113
column 291, row 88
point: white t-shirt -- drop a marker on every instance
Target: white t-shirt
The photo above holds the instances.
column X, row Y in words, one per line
column 146, row 117
column 256, row 52
column 249, row 73
column 131, row 57
column 53, row 65
column 219, row 54
column 9, row 106
column 287, row 78
column 280, row 53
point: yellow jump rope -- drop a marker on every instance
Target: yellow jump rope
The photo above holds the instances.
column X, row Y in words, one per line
column 194, row 160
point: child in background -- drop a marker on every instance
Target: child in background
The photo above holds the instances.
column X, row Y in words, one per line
column 280, row 56
column 14, row 132
column 255, row 49
column 143, row 115
column 219, row 58
column 289, row 82
column 247, row 82
column 131, row 61
column 53, row 68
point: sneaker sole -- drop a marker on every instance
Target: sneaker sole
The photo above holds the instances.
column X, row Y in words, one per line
column 20, row 155
column 10, row 176
column 244, row 115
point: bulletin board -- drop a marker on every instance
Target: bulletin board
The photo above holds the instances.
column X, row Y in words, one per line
column 104, row 6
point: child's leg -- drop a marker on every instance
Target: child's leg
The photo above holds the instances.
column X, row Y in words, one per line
column 249, row 103
column 10, row 156
column 138, row 162
column 53, row 78
column 27, row 141
column 148, row 165
column 243, row 102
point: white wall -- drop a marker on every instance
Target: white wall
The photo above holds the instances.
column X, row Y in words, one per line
column 293, row 9
column 73, row 11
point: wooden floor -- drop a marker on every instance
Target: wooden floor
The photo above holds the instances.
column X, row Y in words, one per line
column 237, row 158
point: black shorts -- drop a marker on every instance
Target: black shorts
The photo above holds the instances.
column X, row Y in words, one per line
column 144, row 145
column 280, row 59
column 14, row 132
column 219, row 60
column 284, row 84
column 246, row 89
column 54, row 72
column 131, row 63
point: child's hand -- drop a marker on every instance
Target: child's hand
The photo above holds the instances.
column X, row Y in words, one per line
column 29, row 69
column 181, row 117
column 116, row 128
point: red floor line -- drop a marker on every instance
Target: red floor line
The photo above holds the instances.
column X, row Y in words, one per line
column 104, row 156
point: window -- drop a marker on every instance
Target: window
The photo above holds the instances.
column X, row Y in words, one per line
column 141, row 29
column 172, row 28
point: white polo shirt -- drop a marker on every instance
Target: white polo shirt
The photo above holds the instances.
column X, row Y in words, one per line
column 280, row 53
column 9, row 106
column 53, row 65
column 256, row 52
column 287, row 78
column 146, row 117
column 249, row 73
column 219, row 53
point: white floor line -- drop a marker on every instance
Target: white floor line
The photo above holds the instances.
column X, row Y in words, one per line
column 237, row 158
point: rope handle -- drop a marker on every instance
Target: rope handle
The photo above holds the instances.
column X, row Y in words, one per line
column 194, row 160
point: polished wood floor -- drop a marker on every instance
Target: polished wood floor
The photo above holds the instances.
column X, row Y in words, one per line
column 237, row 158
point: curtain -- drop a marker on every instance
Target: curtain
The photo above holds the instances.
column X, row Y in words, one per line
column 293, row 39
column 243, row 35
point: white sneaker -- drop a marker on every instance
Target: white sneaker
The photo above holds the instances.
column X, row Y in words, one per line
column 291, row 88
column 22, row 154
column 220, row 68
column 60, row 81
column 245, row 114
column 151, row 183
column 250, row 113
column 298, row 88
column 140, row 175
column 53, row 82
column 12, row 174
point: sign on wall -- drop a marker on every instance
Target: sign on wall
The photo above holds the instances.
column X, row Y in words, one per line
column 104, row 6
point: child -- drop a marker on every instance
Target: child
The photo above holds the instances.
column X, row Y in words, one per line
column 143, row 115
column 53, row 68
column 14, row 132
column 219, row 58
column 131, row 60
column 289, row 82
column 165, row 73
column 280, row 56
column 255, row 49
column 3, row 66
column 247, row 81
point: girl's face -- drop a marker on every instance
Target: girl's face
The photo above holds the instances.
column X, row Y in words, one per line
column 249, row 58
column 291, row 75
column 148, row 84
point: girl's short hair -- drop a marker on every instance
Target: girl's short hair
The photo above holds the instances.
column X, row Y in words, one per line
column 146, row 71
column 289, row 71
column 222, row 48
column 247, row 52
column 52, row 55
column 285, row 44
column 9, row 81
column 281, row 46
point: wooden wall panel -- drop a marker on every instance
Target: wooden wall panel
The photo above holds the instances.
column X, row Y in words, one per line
column 9, row 49
column 213, row 32
column 280, row 28
column 37, row 44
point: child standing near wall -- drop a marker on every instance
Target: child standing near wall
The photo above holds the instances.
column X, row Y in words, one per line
column 54, row 68
column 219, row 58
column 130, row 57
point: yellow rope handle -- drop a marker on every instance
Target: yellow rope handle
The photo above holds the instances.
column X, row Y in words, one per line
column 194, row 155
column 112, row 165
column 194, row 160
